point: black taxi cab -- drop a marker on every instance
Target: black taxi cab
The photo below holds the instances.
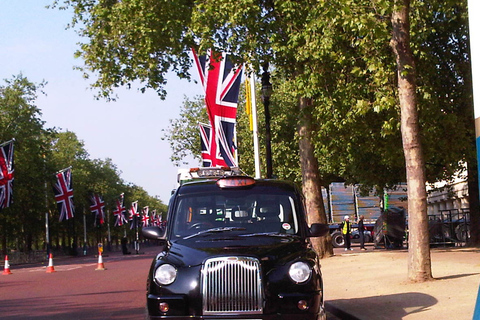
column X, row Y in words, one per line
column 235, row 248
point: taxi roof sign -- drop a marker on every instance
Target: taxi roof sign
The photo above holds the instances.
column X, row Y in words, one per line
column 235, row 182
column 185, row 175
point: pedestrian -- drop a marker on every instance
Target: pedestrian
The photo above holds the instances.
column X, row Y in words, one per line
column 361, row 229
column 346, row 228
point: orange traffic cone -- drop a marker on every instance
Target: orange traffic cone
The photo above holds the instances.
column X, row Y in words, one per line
column 50, row 267
column 6, row 270
column 100, row 265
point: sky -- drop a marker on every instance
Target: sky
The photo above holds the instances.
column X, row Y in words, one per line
column 34, row 42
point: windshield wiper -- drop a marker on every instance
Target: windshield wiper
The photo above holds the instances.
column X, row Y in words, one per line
column 213, row 230
column 275, row 234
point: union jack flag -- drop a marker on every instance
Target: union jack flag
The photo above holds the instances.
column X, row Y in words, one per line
column 145, row 218
column 63, row 190
column 134, row 214
column 205, row 138
column 119, row 212
column 7, row 170
column 97, row 208
column 154, row 217
column 221, row 81
column 157, row 219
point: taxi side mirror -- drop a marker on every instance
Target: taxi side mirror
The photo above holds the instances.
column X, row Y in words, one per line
column 154, row 233
column 318, row 230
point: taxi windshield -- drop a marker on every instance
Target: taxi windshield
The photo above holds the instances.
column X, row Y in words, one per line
column 246, row 212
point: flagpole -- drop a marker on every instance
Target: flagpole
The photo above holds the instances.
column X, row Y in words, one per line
column 266, row 91
column 236, row 145
column 47, row 231
column 109, row 236
column 7, row 142
column 84, row 233
column 255, row 125
column 63, row 170
column 137, row 244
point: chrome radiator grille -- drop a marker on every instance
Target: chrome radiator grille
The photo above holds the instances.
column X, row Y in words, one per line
column 232, row 284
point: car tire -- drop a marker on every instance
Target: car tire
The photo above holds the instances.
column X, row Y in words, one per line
column 146, row 315
column 337, row 239
column 322, row 315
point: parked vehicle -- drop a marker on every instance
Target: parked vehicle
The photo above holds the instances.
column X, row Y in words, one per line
column 390, row 229
column 347, row 200
column 235, row 248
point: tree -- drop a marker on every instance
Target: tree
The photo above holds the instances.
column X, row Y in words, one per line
column 39, row 153
column 121, row 51
column 419, row 264
column 321, row 52
column 20, row 120
column 183, row 133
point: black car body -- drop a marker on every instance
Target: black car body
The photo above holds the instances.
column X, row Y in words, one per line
column 236, row 248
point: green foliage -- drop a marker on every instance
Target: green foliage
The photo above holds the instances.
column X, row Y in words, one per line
column 336, row 53
column 39, row 154
column 130, row 41
column 183, row 133
column 20, row 120
column 444, row 85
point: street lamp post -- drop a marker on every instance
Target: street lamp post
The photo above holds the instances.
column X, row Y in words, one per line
column 266, row 93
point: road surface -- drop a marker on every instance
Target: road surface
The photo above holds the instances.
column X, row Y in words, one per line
column 76, row 290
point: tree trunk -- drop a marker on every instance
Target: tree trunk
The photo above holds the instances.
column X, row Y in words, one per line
column 419, row 262
column 311, row 182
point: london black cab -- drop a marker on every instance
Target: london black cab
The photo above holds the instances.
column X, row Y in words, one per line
column 236, row 248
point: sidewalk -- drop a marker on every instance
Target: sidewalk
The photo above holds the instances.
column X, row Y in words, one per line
column 373, row 284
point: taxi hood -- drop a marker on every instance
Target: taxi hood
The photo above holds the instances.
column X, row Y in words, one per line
column 263, row 246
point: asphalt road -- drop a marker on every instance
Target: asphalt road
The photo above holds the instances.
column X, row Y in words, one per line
column 76, row 290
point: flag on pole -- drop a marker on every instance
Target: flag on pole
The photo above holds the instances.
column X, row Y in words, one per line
column 252, row 112
column 156, row 219
column 248, row 102
column 97, row 208
column 7, row 170
column 134, row 214
column 205, row 138
column 63, row 190
column 145, row 217
column 119, row 212
column 221, row 81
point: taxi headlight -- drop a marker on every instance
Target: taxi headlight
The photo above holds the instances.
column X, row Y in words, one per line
column 165, row 274
column 300, row 272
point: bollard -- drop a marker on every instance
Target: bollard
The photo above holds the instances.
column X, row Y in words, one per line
column 6, row 270
column 50, row 268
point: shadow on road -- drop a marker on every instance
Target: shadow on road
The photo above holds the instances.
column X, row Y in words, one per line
column 392, row 306
column 456, row 276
